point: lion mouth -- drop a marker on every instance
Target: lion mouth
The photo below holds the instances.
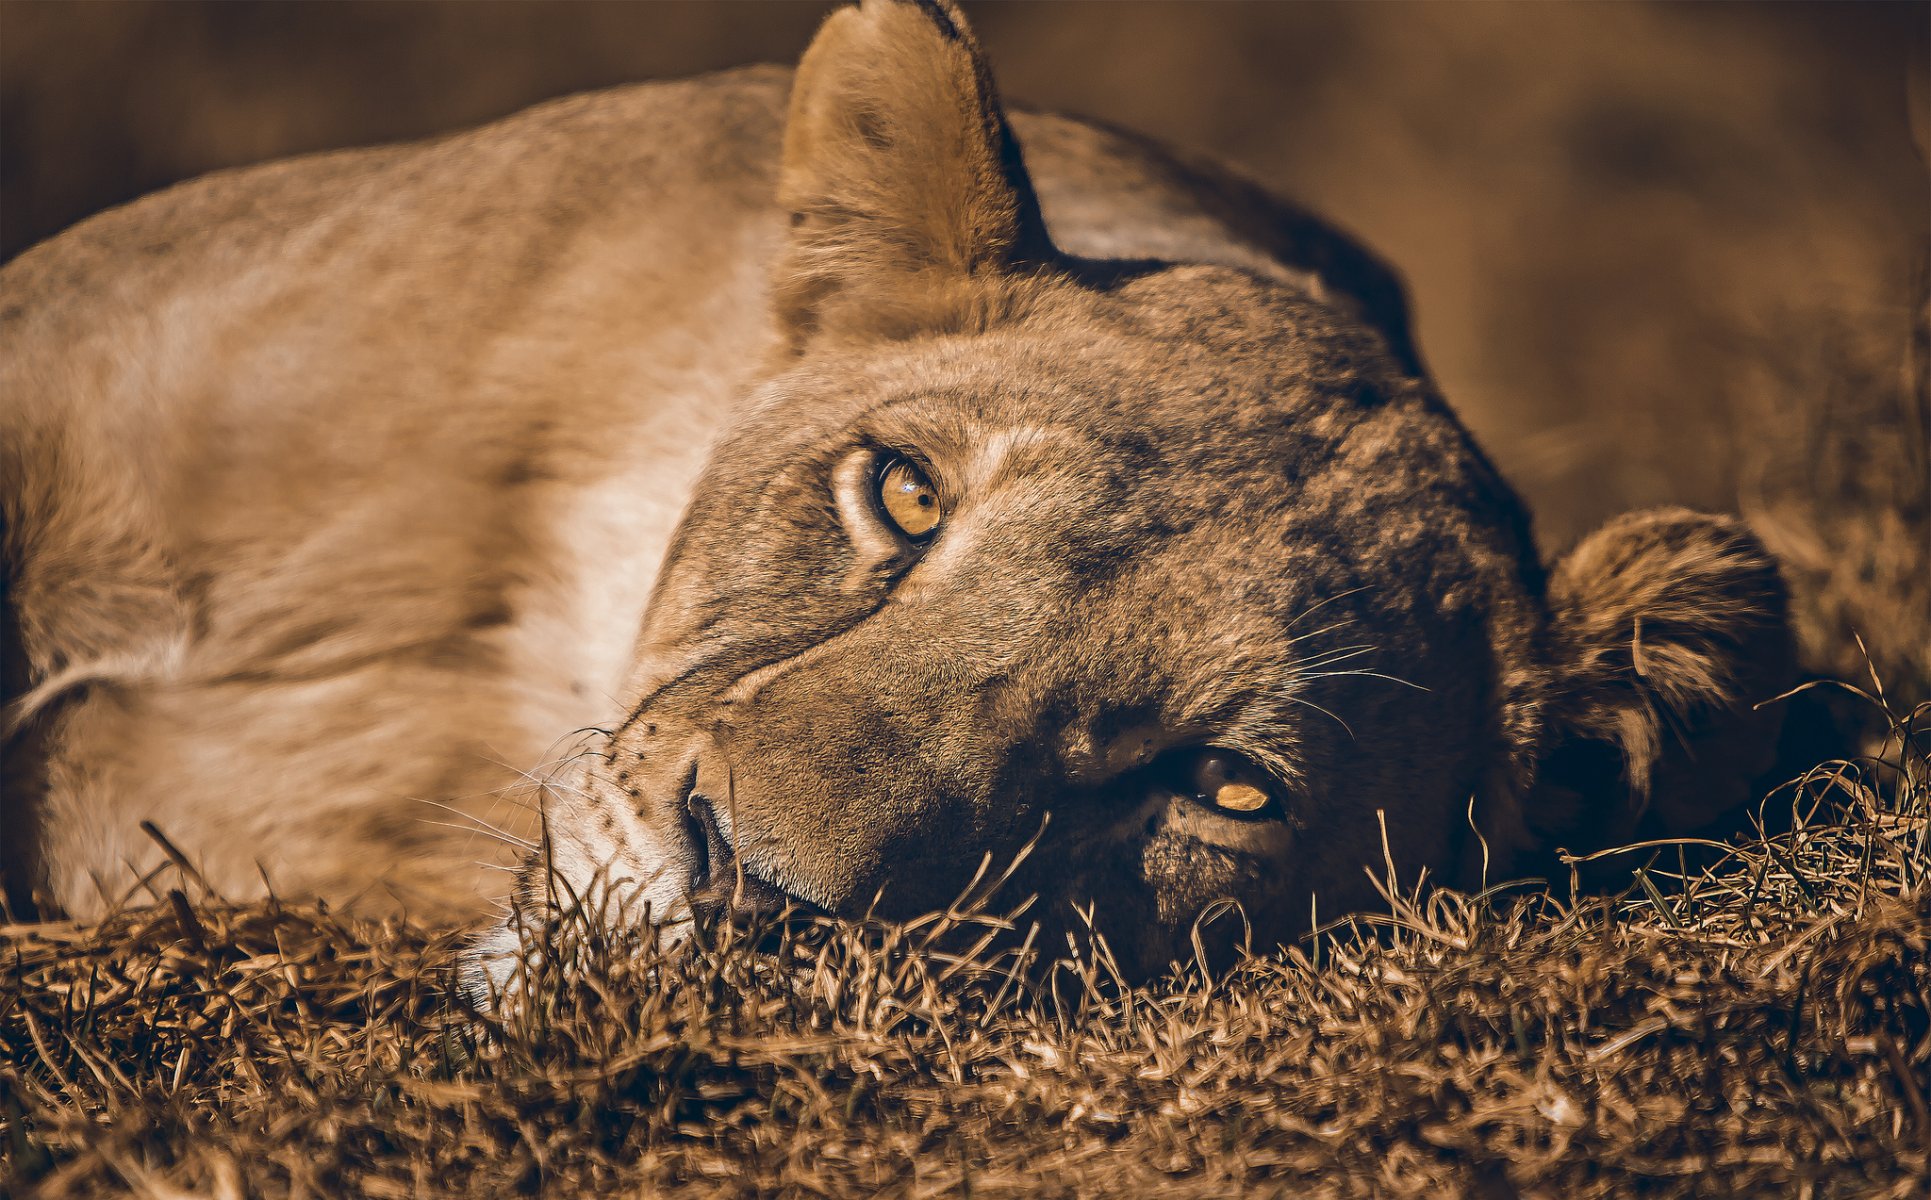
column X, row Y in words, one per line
column 719, row 888
column 720, row 884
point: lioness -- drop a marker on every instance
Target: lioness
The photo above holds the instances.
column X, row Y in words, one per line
column 887, row 499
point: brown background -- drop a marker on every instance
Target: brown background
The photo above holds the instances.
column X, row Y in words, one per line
column 1641, row 238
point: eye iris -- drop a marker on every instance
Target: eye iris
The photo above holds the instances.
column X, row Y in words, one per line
column 1230, row 782
column 909, row 499
column 1240, row 797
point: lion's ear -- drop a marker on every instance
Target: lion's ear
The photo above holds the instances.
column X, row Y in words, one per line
column 1669, row 628
column 903, row 182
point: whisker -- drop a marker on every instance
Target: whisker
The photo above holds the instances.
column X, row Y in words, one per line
column 544, row 769
column 471, row 829
column 1348, row 651
column 1324, row 712
column 1298, row 638
column 476, row 825
column 1369, row 675
column 1323, row 603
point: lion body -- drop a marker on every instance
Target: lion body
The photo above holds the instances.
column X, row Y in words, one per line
column 348, row 500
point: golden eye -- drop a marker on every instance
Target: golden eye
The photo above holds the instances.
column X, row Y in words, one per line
column 1230, row 782
column 908, row 498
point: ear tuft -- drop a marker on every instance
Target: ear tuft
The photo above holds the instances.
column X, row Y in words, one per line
column 1668, row 629
column 903, row 181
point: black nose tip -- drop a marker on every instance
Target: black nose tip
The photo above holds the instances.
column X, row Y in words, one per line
column 721, row 885
column 712, row 852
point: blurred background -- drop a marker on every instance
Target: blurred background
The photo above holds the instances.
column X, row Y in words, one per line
column 1658, row 253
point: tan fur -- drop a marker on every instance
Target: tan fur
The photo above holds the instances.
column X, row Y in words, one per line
column 342, row 488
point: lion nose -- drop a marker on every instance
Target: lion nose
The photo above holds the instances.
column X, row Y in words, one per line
column 722, row 886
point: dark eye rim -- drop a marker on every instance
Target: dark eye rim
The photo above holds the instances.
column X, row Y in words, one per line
column 1173, row 770
column 883, row 460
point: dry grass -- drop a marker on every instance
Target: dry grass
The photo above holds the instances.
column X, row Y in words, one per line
column 1757, row 1026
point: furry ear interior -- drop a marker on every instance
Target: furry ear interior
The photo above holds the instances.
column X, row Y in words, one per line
column 1668, row 629
column 904, row 184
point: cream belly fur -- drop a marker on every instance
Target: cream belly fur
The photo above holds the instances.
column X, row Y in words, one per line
column 337, row 487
